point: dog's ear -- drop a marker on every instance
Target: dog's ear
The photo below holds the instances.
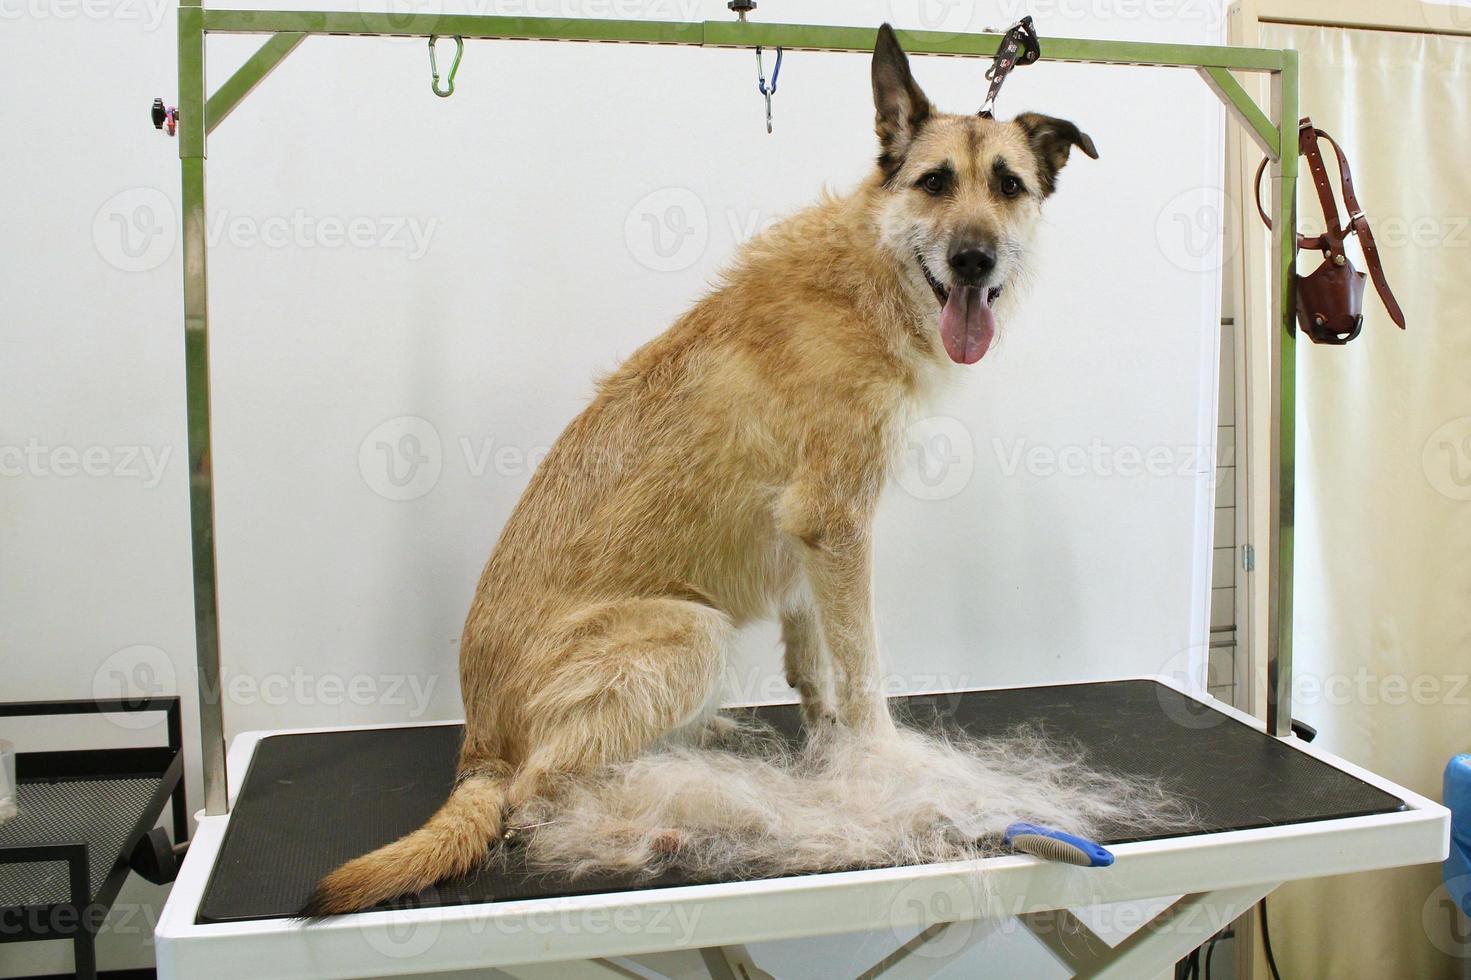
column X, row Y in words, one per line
column 900, row 105
column 1051, row 140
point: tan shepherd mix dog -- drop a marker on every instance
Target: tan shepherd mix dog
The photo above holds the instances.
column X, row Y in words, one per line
column 728, row 472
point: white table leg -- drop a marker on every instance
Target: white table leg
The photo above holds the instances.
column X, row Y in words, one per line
column 570, row 970
column 732, row 963
column 1155, row 947
column 935, row 946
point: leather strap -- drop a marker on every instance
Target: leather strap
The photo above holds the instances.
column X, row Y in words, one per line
column 1358, row 224
column 1330, row 243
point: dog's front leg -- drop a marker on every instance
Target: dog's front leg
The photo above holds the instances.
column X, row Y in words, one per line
column 834, row 533
column 808, row 668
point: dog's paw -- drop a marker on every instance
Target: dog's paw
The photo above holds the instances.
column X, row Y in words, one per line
column 717, row 729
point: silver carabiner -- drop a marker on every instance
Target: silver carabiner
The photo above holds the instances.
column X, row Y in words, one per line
column 761, row 82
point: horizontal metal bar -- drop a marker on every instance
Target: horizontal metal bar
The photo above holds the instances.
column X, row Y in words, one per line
column 725, row 34
column 370, row 23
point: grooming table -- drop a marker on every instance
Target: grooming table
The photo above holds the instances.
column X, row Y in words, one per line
column 1269, row 809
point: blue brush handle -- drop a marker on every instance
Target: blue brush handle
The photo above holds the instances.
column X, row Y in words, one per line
column 1090, row 853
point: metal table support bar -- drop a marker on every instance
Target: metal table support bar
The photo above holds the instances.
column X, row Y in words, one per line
column 200, row 113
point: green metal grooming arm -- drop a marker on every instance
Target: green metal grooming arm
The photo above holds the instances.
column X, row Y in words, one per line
column 200, row 113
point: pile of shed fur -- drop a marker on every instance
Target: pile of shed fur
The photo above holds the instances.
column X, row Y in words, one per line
column 757, row 805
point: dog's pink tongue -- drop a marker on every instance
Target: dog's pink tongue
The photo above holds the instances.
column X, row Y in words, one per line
column 967, row 325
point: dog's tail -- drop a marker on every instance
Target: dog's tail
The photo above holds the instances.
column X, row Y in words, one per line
column 453, row 842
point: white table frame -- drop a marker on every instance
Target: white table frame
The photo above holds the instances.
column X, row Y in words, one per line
column 702, row 931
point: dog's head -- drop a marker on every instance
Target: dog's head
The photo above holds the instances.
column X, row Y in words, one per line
column 960, row 196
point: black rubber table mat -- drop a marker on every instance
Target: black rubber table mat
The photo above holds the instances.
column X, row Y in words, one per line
column 310, row 802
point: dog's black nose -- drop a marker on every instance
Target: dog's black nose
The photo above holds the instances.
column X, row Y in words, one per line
column 972, row 263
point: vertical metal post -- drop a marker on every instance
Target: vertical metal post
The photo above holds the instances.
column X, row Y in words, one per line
column 1283, row 356
column 192, row 122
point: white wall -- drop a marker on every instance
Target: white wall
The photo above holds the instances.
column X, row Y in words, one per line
column 533, row 193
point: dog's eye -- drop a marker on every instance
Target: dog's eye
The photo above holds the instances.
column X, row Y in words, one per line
column 934, row 182
column 1011, row 185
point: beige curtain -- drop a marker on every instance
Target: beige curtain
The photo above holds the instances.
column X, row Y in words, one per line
column 1383, row 619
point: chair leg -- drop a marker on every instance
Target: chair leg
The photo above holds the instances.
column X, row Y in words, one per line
column 84, row 954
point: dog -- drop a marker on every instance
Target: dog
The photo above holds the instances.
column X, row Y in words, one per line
column 729, row 472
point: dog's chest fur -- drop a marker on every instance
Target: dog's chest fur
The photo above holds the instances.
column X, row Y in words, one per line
column 801, row 370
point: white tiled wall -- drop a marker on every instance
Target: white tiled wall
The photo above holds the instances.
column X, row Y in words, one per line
column 1222, row 671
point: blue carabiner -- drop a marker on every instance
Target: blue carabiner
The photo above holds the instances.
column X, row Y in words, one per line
column 761, row 74
column 767, row 93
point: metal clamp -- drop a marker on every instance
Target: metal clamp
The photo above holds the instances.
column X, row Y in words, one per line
column 165, row 118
